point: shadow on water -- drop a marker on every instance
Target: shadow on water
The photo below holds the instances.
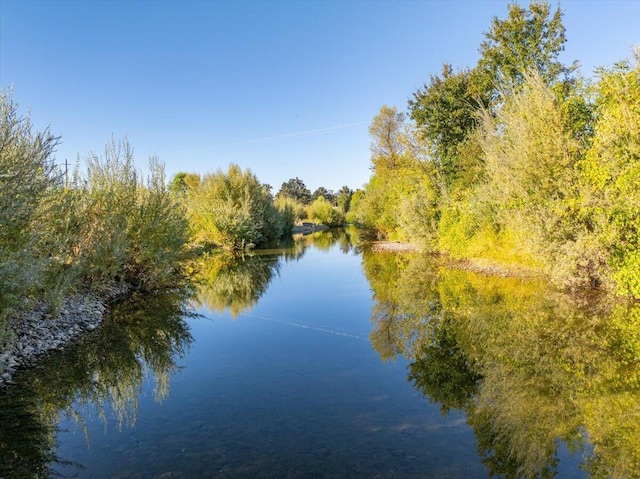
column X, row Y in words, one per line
column 534, row 370
column 142, row 336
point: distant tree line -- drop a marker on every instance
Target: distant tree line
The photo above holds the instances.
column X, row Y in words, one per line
column 518, row 160
column 234, row 211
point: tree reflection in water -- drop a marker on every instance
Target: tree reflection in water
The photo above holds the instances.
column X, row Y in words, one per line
column 237, row 282
column 232, row 282
column 142, row 336
column 530, row 367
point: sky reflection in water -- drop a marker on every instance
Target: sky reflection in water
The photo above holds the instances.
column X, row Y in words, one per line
column 281, row 376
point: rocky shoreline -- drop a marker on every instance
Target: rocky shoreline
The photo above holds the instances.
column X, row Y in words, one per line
column 308, row 228
column 393, row 247
column 35, row 333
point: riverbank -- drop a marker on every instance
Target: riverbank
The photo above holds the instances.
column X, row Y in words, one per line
column 476, row 265
column 393, row 247
column 34, row 333
column 308, row 228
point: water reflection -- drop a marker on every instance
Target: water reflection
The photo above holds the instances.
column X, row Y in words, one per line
column 142, row 336
column 237, row 282
column 534, row 370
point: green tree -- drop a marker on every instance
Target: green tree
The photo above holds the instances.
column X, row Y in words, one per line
column 400, row 199
column 388, row 137
column 376, row 210
column 343, row 199
column 529, row 39
column 326, row 194
column 178, row 185
column 322, row 211
column 446, row 113
column 233, row 210
column 296, row 189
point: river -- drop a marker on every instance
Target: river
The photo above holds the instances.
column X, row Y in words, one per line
column 324, row 360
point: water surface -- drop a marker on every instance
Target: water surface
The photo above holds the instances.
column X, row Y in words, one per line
column 319, row 360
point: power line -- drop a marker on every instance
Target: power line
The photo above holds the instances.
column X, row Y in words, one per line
column 287, row 136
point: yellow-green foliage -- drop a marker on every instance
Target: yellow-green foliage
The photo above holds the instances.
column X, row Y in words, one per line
column 400, row 203
column 292, row 210
column 459, row 225
column 233, row 210
column 125, row 229
column 27, row 183
column 356, row 200
column 323, row 212
column 374, row 210
column 529, row 160
column 531, row 155
column 529, row 366
column 513, row 161
column 611, row 172
column 400, row 200
column 232, row 282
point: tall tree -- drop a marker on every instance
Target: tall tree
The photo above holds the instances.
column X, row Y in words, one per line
column 325, row 193
column 529, row 39
column 446, row 109
column 295, row 189
column 388, row 137
column 343, row 199
column 445, row 112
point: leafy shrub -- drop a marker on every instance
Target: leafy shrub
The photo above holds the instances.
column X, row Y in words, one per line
column 611, row 174
column 233, row 210
column 323, row 212
column 531, row 155
column 26, row 183
column 354, row 205
column 291, row 211
column 128, row 230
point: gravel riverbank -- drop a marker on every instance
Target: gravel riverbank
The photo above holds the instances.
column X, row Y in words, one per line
column 393, row 247
column 35, row 333
column 308, row 228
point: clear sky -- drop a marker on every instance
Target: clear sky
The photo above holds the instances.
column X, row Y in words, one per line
column 286, row 89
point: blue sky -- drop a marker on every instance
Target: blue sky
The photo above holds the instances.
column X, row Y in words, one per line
column 286, row 89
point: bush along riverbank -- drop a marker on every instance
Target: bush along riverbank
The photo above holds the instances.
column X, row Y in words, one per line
column 69, row 244
column 517, row 164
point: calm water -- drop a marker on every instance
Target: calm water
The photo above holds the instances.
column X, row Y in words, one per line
column 322, row 361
